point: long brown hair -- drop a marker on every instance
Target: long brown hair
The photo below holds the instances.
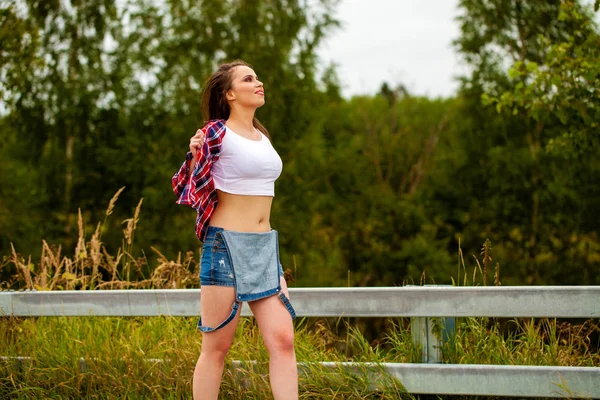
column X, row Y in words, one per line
column 214, row 103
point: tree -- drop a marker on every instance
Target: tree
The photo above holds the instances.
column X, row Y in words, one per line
column 564, row 89
column 102, row 94
column 530, row 201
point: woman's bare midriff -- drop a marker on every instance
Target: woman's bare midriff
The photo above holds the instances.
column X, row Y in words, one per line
column 242, row 213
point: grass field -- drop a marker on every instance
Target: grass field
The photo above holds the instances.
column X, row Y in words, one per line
column 154, row 357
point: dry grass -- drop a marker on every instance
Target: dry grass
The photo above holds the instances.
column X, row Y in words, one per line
column 91, row 267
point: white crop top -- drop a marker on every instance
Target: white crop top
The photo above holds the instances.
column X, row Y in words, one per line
column 245, row 166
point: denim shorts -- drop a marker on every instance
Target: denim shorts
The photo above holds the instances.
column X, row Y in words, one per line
column 215, row 266
column 216, row 269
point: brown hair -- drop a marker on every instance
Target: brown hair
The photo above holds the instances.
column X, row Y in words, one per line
column 214, row 103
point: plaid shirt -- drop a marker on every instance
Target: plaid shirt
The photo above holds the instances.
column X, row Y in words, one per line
column 198, row 189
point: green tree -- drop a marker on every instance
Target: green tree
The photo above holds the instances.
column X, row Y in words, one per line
column 358, row 185
column 55, row 79
column 528, row 201
column 102, row 94
column 564, row 90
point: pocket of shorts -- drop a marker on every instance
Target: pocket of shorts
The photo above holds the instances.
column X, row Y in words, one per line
column 218, row 245
column 206, row 268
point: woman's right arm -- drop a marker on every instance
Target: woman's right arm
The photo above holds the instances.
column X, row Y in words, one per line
column 196, row 143
column 181, row 181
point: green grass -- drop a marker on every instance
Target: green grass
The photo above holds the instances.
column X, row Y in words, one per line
column 120, row 360
column 121, row 356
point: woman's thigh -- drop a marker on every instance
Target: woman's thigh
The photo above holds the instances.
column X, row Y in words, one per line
column 215, row 306
column 217, row 285
column 274, row 320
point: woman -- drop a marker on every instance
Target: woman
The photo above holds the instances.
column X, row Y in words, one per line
column 228, row 177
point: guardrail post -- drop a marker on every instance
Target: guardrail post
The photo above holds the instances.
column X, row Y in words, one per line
column 431, row 333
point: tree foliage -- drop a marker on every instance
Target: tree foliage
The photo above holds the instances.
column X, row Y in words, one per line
column 533, row 202
column 563, row 89
column 103, row 96
column 375, row 190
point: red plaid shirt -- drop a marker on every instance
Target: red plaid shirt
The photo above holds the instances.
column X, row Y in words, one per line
column 198, row 189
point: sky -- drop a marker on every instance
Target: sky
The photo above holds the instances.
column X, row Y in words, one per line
column 396, row 41
column 399, row 42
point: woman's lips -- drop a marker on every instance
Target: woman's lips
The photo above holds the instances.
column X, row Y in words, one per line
column 260, row 92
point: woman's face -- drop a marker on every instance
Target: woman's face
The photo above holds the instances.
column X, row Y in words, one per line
column 246, row 90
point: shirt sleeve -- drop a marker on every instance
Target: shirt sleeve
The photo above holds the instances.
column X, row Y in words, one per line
column 185, row 182
column 188, row 185
column 181, row 182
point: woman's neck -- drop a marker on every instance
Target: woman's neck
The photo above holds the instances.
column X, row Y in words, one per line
column 241, row 120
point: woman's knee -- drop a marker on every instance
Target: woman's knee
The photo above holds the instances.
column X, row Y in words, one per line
column 280, row 341
column 215, row 347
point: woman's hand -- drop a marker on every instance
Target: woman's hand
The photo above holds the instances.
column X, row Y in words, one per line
column 196, row 142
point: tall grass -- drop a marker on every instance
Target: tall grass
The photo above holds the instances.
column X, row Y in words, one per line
column 92, row 267
column 84, row 357
column 153, row 358
column 92, row 357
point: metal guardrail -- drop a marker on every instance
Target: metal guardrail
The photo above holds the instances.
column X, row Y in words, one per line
column 407, row 301
column 495, row 380
column 449, row 379
column 471, row 379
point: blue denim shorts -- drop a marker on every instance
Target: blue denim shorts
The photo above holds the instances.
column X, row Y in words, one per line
column 216, row 269
column 215, row 266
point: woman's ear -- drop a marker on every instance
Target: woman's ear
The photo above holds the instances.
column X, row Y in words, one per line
column 230, row 96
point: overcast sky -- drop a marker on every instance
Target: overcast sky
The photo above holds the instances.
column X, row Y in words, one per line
column 397, row 41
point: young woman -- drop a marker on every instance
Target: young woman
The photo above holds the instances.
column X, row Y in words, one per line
column 228, row 177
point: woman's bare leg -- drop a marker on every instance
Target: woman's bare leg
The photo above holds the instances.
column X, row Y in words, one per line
column 215, row 308
column 277, row 330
